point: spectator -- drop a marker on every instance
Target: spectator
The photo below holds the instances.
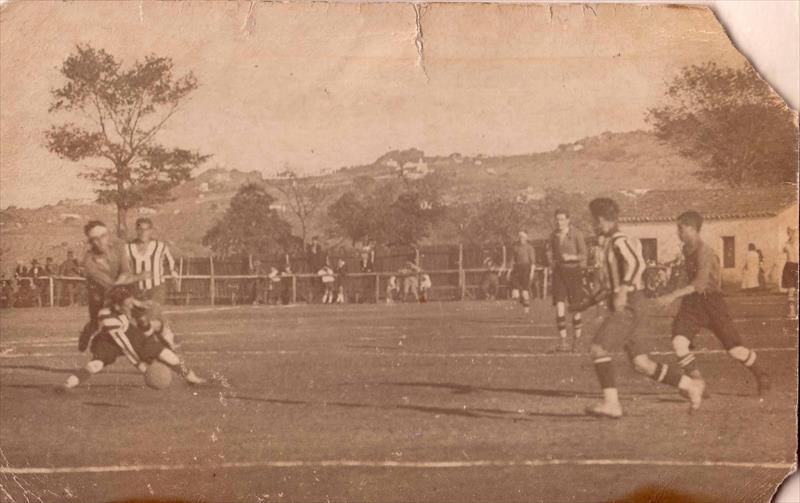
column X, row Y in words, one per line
column 341, row 280
column 490, row 283
column 258, row 293
column 752, row 265
column 70, row 268
column 425, row 285
column 286, row 283
column 326, row 274
column 36, row 270
column 20, row 271
column 410, row 275
column 392, row 290
column 49, row 267
column 8, row 294
column 273, row 286
column 316, row 258
column 789, row 276
column 762, row 269
column 367, row 262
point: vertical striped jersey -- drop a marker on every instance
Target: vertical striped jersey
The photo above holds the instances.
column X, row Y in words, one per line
column 624, row 262
column 151, row 259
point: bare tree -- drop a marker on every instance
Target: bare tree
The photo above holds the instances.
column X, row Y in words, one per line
column 121, row 112
column 303, row 196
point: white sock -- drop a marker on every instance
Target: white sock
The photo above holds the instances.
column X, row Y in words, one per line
column 611, row 395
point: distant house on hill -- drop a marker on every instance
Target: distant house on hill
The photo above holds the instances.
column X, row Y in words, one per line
column 733, row 219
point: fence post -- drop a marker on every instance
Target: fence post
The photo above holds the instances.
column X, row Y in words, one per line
column 544, row 286
column 377, row 288
column 462, row 277
column 416, row 255
column 180, row 274
column 504, row 257
column 50, row 280
column 212, row 282
column 294, row 289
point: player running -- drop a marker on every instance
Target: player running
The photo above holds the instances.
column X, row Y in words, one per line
column 126, row 331
column 624, row 264
column 147, row 256
column 104, row 265
column 702, row 305
column 568, row 248
column 523, row 259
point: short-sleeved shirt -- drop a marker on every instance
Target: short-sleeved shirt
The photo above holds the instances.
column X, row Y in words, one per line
column 703, row 268
column 572, row 243
column 523, row 254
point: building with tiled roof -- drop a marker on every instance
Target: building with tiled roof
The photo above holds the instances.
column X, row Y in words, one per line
column 734, row 218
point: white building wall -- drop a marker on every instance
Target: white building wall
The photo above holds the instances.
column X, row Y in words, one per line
column 768, row 234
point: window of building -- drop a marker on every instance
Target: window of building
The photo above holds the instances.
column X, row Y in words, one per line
column 650, row 249
column 728, row 252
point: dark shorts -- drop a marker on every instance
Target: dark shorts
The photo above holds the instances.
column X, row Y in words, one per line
column 108, row 348
column 622, row 329
column 568, row 285
column 789, row 276
column 520, row 277
column 706, row 311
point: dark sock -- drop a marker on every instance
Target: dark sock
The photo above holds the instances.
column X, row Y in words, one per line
column 667, row 375
column 604, row 367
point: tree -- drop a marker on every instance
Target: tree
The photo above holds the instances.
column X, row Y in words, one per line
column 121, row 112
column 303, row 196
column 251, row 226
column 499, row 219
column 352, row 217
column 731, row 121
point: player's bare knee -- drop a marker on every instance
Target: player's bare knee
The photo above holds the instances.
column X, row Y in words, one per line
column 643, row 364
column 681, row 345
column 739, row 353
column 94, row 366
column 597, row 351
column 169, row 357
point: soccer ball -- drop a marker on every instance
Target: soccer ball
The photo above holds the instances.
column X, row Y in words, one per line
column 158, row 375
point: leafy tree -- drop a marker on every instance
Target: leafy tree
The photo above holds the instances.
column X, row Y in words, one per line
column 409, row 219
column 499, row 219
column 251, row 226
column 121, row 111
column 352, row 217
column 303, row 195
column 731, row 121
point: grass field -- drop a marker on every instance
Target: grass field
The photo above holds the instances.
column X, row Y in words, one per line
column 437, row 402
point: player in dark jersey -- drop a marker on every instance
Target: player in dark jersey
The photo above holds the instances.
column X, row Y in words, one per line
column 702, row 305
column 105, row 265
column 624, row 265
column 523, row 261
column 126, row 332
column 568, row 249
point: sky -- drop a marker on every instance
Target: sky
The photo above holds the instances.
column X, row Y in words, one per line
column 320, row 86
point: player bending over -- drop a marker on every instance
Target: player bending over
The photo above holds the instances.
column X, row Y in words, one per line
column 702, row 305
column 126, row 333
column 624, row 263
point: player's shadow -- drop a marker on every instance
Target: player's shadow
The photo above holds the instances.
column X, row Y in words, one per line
column 57, row 370
column 473, row 413
column 463, row 389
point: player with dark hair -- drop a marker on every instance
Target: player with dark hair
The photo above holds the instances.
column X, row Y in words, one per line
column 147, row 256
column 126, row 331
column 104, row 265
column 624, row 265
column 568, row 249
column 702, row 305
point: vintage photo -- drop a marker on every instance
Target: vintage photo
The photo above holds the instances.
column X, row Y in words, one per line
column 265, row 252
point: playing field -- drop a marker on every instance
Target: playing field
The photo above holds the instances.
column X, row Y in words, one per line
column 458, row 401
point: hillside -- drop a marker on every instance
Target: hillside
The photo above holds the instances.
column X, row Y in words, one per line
column 612, row 161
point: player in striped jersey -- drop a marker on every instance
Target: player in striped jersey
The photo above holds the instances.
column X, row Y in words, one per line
column 148, row 255
column 126, row 332
column 624, row 266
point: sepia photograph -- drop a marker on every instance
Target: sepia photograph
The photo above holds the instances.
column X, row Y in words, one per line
column 258, row 251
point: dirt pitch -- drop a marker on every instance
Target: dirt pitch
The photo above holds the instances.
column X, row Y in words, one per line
column 437, row 402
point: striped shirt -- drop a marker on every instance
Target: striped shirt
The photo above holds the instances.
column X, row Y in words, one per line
column 624, row 262
column 151, row 259
column 117, row 326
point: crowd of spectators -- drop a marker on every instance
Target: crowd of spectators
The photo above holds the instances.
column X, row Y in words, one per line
column 30, row 284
